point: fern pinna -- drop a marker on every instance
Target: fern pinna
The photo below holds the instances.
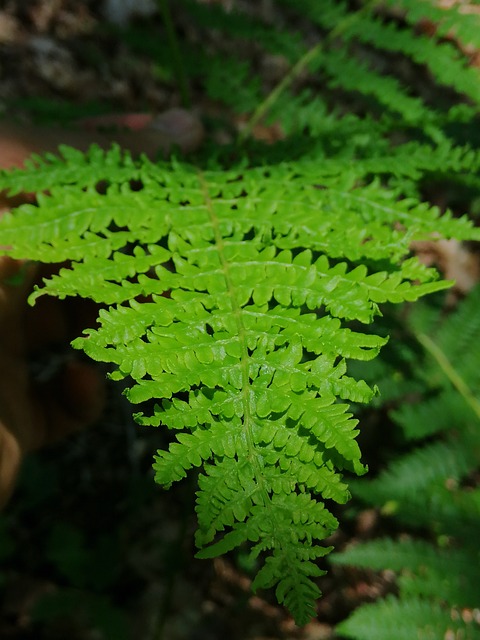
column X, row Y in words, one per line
column 234, row 296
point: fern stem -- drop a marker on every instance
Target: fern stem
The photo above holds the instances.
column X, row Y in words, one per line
column 178, row 65
column 449, row 370
column 282, row 86
column 236, row 308
column 300, row 65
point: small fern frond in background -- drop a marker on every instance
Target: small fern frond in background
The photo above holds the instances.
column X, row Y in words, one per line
column 431, row 488
column 394, row 619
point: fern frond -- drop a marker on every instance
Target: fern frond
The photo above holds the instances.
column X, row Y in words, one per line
column 415, row 473
column 447, row 575
column 445, row 62
column 233, row 289
column 449, row 19
column 354, row 75
column 458, row 338
column 433, row 415
column 404, row 620
column 424, row 488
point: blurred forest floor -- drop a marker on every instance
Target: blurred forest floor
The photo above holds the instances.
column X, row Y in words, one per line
column 90, row 547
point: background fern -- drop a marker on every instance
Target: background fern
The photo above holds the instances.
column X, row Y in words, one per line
column 432, row 489
column 237, row 286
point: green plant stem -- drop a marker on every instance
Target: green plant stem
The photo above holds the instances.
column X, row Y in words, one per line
column 297, row 69
column 445, row 365
column 273, row 96
column 178, row 65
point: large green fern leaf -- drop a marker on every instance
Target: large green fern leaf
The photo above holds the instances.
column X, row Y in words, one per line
column 229, row 295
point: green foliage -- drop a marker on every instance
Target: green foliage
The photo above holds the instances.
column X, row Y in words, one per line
column 431, row 488
column 235, row 288
column 403, row 620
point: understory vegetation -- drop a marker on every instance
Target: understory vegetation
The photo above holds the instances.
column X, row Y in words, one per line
column 429, row 484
